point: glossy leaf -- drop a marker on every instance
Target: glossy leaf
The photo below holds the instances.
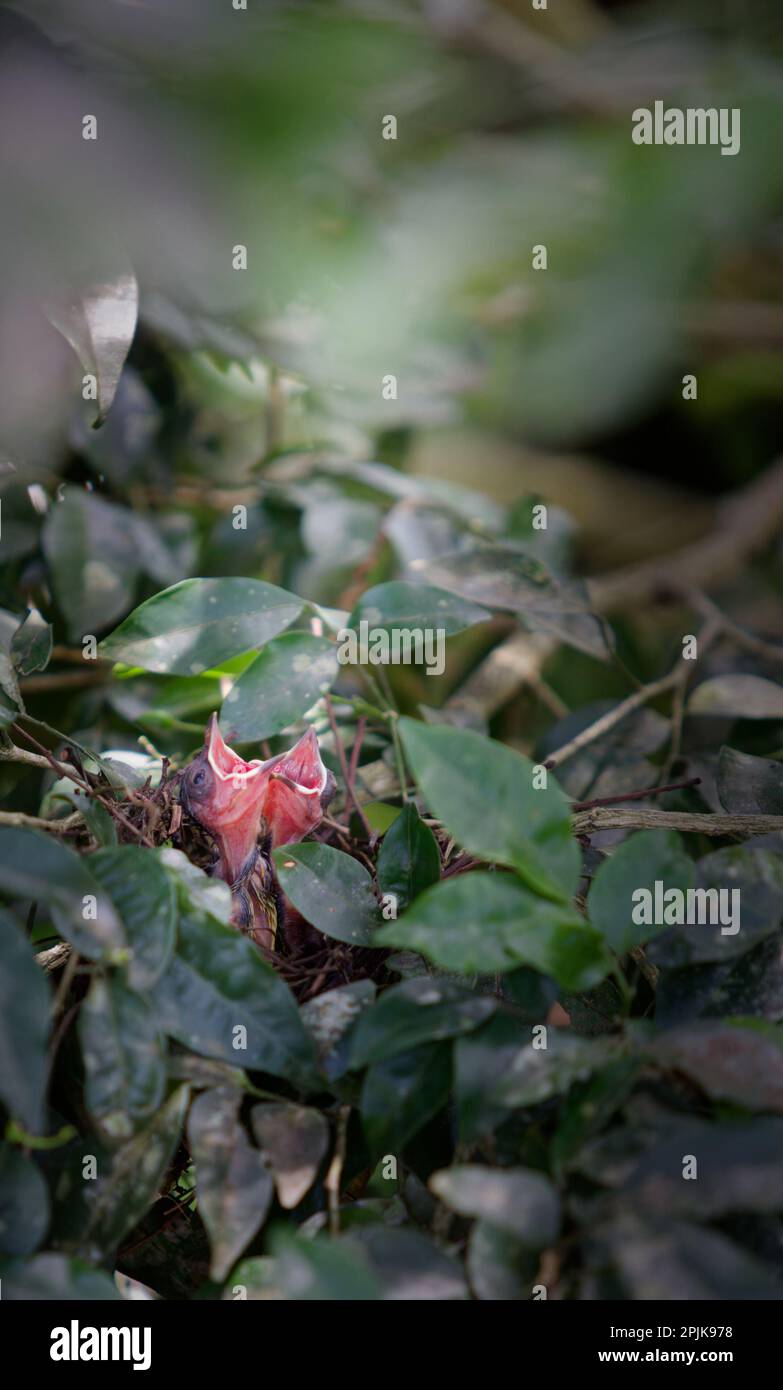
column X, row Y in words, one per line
column 332, row 890
column 737, row 696
column 401, row 1093
column 279, row 687
column 123, row 1057
column 482, row 923
column 399, row 604
column 484, row 794
column 99, row 325
column 417, row 1011
column 198, row 623
column 217, row 983
column 143, row 894
column 409, row 859
column 750, row 786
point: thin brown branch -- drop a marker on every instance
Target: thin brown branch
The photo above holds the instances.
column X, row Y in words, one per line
column 57, row 827
column 604, row 818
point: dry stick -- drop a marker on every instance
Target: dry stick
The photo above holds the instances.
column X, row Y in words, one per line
column 613, row 716
column 57, row 827
column 64, row 771
column 602, row 818
column 770, row 651
column 634, row 796
column 349, row 788
column 333, row 1176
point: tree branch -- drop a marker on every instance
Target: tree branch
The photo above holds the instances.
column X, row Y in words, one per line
column 602, row 818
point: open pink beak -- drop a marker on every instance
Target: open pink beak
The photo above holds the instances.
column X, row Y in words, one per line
column 231, row 797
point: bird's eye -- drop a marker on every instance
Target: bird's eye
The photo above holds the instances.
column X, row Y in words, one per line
column 200, row 778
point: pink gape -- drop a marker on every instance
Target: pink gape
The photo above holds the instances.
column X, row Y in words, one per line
column 282, row 799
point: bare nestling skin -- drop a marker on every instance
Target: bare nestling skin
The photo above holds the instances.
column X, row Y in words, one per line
column 237, row 802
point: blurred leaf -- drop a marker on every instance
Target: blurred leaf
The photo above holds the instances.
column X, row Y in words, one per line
column 409, row 859
column 123, row 1057
column 89, row 544
column 677, row 1261
column 645, row 858
column 332, row 890
column 143, row 894
column 739, row 1169
column 137, row 1170
column 483, row 922
column 403, row 605
column 320, row 1270
column 25, row 1004
column 282, row 684
column 417, row 1011
column 749, row 786
column 401, row 1093
column 195, row 625
column 31, row 645
column 750, row 984
column 233, row 1183
column 498, row 577
column 34, row 865
column 499, row 1266
column 737, row 696
column 755, row 875
column 24, row 1203
column 517, row 1200
column 409, row 1267
column 483, row 793
column 99, row 327
column 216, row 983
column 733, row 1064
column 589, row 1107
column 293, row 1140
column 55, row 1277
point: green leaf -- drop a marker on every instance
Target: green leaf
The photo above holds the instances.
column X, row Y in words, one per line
column 233, row 1183
column 484, row 922
column 332, row 890
column 591, row 1106
column 517, row 1200
column 282, row 684
column 641, row 861
column 92, row 553
column 755, row 876
column 732, row 1064
column 55, row 1277
column 409, row 858
column 99, row 325
column 25, row 1004
column 34, row 865
column 417, row 1011
column 399, row 604
column 483, row 793
column 143, row 894
column 737, row 696
column 198, row 623
column 749, row 786
column 401, row 1093
column 216, row 983
column 123, row 1195
column 293, row 1140
column 24, row 1203
column 123, row 1057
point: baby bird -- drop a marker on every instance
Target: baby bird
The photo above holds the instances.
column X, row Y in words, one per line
column 248, row 809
